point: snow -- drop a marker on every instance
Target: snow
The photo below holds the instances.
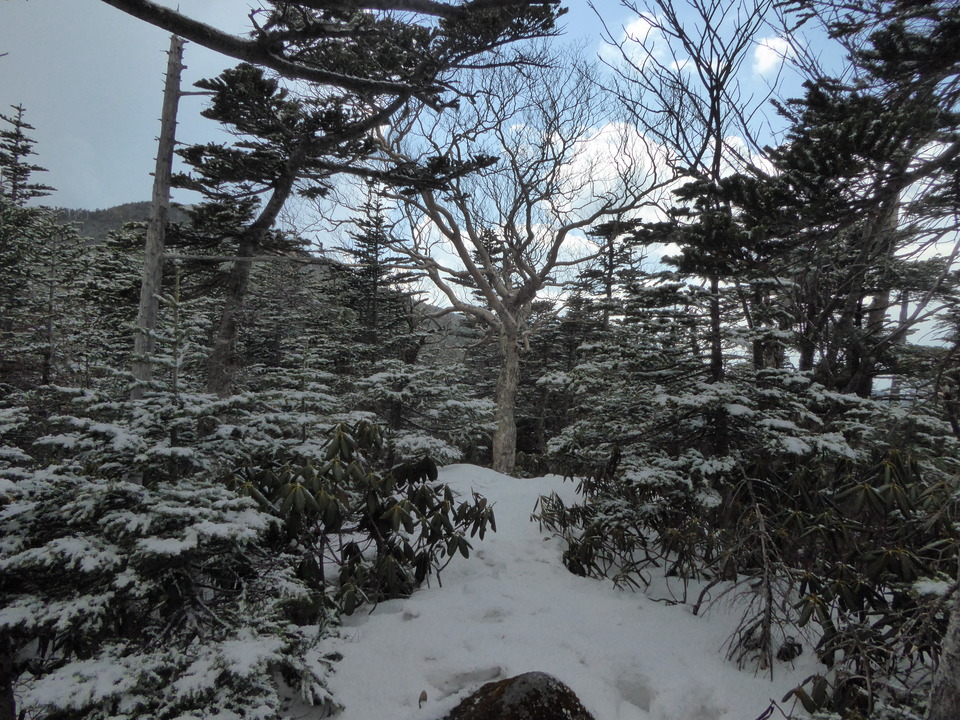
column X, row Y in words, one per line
column 410, row 446
column 795, row 446
column 777, row 424
column 241, row 656
column 244, row 654
column 168, row 546
column 67, row 441
column 834, row 443
column 81, row 682
column 928, row 586
column 512, row 607
column 72, row 551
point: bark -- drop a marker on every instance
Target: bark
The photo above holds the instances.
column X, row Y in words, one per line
column 144, row 341
column 222, row 361
column 716, row 334
column 759, row 345
column 900, row 340
column 952, row 407
column 868, row 342
column 945, row 696
column 866, row 363
column 948, row 394
column 505, row 434
column 808, row 350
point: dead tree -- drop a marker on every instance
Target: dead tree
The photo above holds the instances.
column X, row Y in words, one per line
column 145, row 340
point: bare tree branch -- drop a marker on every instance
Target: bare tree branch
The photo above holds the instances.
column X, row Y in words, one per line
column 565, row 164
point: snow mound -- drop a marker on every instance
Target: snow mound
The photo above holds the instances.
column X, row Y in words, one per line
column 512, row 608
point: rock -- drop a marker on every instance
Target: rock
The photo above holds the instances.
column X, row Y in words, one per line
column 531, row 696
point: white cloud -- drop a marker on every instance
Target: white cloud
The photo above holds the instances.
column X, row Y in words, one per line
column 611, row 165
column 641, row 39
column 640, row 28
column 770, row 54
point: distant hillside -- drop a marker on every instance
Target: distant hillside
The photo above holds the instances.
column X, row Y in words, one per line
column 97, row 224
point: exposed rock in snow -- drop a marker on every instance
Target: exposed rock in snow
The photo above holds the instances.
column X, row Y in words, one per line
column 531, row 696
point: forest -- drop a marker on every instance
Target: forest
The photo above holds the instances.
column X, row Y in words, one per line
column 731, row 317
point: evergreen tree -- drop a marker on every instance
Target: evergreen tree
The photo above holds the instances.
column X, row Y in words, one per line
column 388, row 48
column 613, row 265
column 387, row 314
column 43, row 262
column 16, row 147
column 280, row 136
column 865, row 182
column 158, row 589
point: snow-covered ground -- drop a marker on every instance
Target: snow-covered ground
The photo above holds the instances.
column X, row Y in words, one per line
column 512, row 607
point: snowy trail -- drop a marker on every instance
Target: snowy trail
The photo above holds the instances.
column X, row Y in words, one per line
column 512, row 607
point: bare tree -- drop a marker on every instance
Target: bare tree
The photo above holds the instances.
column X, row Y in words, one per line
column 145, row 340
column 508, row 231
column 679, row 77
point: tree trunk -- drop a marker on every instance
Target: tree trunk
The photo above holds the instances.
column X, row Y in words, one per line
column 505, row 434
column 754, row 323
column 222, row 362
column 877, row 251
column 145, row 341
column 808, row 350
column 866, row 369
column 901, row 341
column 945, row 696
column 868, row 342
column 716, row 336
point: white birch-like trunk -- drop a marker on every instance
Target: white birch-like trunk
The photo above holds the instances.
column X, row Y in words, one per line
column 505, row 434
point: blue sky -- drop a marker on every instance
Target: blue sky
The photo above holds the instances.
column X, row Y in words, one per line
column 90, row 78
